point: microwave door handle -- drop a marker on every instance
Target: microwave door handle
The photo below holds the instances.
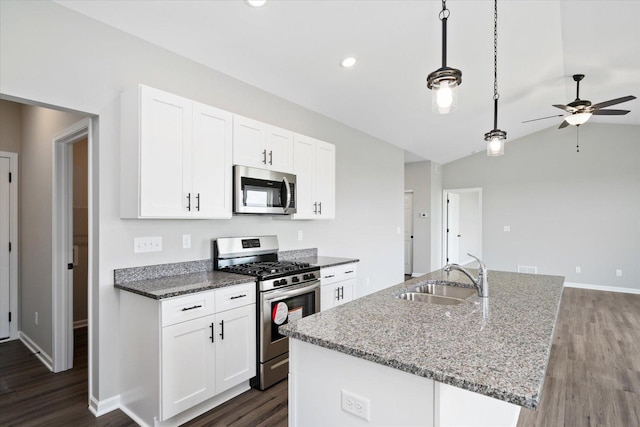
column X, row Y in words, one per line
column 288, row 187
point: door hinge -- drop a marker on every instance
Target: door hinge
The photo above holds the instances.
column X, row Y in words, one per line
column 9, row 246
column 447, row 230
column 9, row 317
column 9, row 177
column 70, row 266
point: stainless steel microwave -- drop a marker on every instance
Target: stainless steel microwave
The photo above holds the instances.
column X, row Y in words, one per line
column 261, row 191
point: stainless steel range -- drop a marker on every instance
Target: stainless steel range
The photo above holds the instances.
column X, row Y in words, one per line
column 288, row 290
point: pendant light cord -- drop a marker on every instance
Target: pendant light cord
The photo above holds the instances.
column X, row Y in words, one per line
column 444, row 15
column 495, row 65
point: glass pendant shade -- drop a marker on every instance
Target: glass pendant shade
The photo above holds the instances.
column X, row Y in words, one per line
column 577, row 119
column 444, row 98
column 495, row 147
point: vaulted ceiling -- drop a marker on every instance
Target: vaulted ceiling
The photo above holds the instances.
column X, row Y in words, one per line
column 293, row 49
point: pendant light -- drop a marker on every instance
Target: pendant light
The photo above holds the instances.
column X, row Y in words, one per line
column 496, row 137
column 445, row 80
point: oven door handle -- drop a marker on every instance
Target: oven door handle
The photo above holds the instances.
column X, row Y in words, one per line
column 280, row 294
column 288, row 187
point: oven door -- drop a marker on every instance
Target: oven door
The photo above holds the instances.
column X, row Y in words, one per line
column 280, row 306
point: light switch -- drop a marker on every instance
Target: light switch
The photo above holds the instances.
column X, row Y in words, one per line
column 507, row 228
column 186, row 241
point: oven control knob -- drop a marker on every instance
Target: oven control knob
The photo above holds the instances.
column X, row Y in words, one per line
column 283, row 282
column 295, row 279
column 312, row 276
column 305, row 277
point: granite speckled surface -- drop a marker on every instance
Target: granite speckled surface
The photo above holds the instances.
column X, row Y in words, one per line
column 296, row 254
column 158, row 271
column 501, row 351
column 172, row 286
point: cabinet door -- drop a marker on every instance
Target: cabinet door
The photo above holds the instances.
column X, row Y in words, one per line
column 235, row 346
column 165, row 160
column 326, row 179
column 345, row 290
column 279, row 149
column 188, row 365
column 327, row 297
column 249, row 146
column 304, row 162
column 211, row 158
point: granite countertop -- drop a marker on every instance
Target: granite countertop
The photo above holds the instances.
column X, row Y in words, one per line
column 500, row 350
column 167, row 287
column 327, row 261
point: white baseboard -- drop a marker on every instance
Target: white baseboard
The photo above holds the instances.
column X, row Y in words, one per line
column 602, row 288
column 101, row 407
column 80, row 324
column 37, row 351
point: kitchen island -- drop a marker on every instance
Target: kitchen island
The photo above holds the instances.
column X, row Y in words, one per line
column 399, row 362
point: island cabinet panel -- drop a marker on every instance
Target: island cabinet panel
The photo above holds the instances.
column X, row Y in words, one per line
column 260, row 145
column 320, row 381
column 338, row 285
column 314, row 167
column 175, row 157
column 202, row 353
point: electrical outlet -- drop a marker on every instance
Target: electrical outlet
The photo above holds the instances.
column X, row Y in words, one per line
column 147, row 244
column 619, row 273
column 186, row 241
column 36, row 318
column 356, row 405
column 578, row 269
column 300, row 235
column 507, row 228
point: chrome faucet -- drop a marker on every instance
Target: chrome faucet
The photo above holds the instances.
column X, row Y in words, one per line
column 481, row 283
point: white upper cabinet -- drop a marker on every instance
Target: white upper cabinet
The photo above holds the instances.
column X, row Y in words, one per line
column 314, row 166
column 261, row 145
column 175, row 157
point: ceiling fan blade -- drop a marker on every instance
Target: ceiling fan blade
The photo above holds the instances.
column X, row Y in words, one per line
column 564, row 124
column 542, row 118
column 565, row 108
column 610, row 112
column 613, row 102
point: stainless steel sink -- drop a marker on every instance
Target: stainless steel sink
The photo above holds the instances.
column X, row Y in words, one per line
column 437, row 293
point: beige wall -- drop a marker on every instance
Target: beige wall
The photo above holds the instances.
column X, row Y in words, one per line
column 10, row 126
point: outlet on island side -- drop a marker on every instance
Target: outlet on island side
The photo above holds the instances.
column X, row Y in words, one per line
column 356, row 405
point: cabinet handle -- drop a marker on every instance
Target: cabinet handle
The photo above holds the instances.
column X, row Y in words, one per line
column 315, row 207
column 189, row 202
column 271, row 157
column 222, row 329
column 198, row 202
column 341, row 292
column 329, row 276
column 264, row 156
column 319, row 208
column 191, row 308
column 347, row 272
column 211, row 337
column 238, row 296
column 337, row 294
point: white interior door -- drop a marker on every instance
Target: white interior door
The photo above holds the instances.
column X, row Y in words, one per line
column 408, row 233
column 4, row 249
column 453, row 228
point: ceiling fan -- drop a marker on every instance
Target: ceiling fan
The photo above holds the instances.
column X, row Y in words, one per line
column 580, row 110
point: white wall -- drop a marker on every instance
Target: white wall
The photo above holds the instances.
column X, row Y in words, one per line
column 565, row 209
column 55, row 56
column 417, row 177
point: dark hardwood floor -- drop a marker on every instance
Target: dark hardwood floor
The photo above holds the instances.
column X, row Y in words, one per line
column 593, row 378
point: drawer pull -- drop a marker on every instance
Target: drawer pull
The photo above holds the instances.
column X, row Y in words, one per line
column 329, row 276
column 192, row 308
column 211, row 337
column 347, row 272
column 222, row 329
column 239, row 296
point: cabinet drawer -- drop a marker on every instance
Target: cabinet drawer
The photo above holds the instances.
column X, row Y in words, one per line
column 338, row 273
column 180, row 309
column 235, row 296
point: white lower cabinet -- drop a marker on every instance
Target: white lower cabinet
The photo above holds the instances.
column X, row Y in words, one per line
column 202, row 354
column 338, row 285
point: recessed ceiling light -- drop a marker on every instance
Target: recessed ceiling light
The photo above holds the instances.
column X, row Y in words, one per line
column 256, row 3
column 349, row 62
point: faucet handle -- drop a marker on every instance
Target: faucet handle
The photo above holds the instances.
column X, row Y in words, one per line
column 483, row 266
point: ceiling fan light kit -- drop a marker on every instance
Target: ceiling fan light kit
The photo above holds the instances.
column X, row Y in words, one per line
column 445, row 80
column 496, row 137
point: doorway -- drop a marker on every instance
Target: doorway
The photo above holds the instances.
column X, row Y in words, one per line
column 462, row 228
column 408, row 233
column 8, row 246
column 71, row 238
